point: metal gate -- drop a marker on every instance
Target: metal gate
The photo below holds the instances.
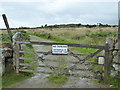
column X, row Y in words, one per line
column 82, row 62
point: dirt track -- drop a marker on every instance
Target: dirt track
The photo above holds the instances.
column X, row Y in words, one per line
column 40, row 80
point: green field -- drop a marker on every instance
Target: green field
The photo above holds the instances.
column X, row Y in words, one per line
column 81, row 35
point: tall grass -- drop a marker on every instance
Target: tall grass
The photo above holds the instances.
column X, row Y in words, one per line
column 78, row 36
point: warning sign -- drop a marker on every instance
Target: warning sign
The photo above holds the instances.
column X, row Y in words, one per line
column 59, row 49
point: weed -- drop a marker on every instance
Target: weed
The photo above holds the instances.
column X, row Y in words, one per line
column 28, row 61
column 57, row 79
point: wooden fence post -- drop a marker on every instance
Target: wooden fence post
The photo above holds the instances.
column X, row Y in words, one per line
column 119, row 35
column 17, row 58
column 108, row 62
column 16, row 48
column 14, row 57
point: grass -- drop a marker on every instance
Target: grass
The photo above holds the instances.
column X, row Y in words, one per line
column 62, row 40
column 28, row 61
column 11, row 78
column 115, row 82
column 5, row 38
column 90, row 36
column 28, row 55
column 101, row 34
column 57, row 79
column 96, row 36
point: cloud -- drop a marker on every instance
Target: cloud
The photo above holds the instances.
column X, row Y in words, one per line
column 2, row 10
column 14, row 23
column 59, row 12
column 57, row 0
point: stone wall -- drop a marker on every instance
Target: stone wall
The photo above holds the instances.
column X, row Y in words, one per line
column 4, row 52
column 6, row 61
column 113, row 45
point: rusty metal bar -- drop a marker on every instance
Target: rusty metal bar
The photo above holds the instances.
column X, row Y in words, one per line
column 93, row 54
column 69, row 44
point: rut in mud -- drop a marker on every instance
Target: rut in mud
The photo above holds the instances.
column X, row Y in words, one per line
column 65, row 64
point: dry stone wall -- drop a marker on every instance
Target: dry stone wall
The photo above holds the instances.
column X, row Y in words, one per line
column 6, row 53
column 115, row 64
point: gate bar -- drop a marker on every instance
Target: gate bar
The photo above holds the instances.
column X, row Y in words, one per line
column 69, row 44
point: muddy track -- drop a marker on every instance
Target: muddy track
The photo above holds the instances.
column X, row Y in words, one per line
column 77, row 78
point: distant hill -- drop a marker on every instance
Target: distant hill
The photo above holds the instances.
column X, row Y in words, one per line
column 66, row 26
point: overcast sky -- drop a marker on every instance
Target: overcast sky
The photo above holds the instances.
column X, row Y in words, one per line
column 37, row 13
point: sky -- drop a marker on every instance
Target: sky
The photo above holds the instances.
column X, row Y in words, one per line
column 34, row 13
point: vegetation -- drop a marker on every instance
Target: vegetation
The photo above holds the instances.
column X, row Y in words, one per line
column 57, row 79
column 95, row 67
column 101, row 34
column 11, row 78
column 69, row 26
column 81, row 36
column 78, row 37
column 29, row 55
column 5, row 37
column 70, row 33
column 114, row 81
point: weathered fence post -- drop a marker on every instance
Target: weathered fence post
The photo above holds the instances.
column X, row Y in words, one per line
column 16, row 48
column 108, row 59
column 119, row 35
column 7, row 25
column 17, row 58
column 106, row 73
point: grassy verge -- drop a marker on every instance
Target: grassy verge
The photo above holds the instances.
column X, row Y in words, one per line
column 11, row 78
column 57, row 79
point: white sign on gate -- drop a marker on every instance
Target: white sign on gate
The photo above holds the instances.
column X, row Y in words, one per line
column 59, row 49
column 101, row 60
